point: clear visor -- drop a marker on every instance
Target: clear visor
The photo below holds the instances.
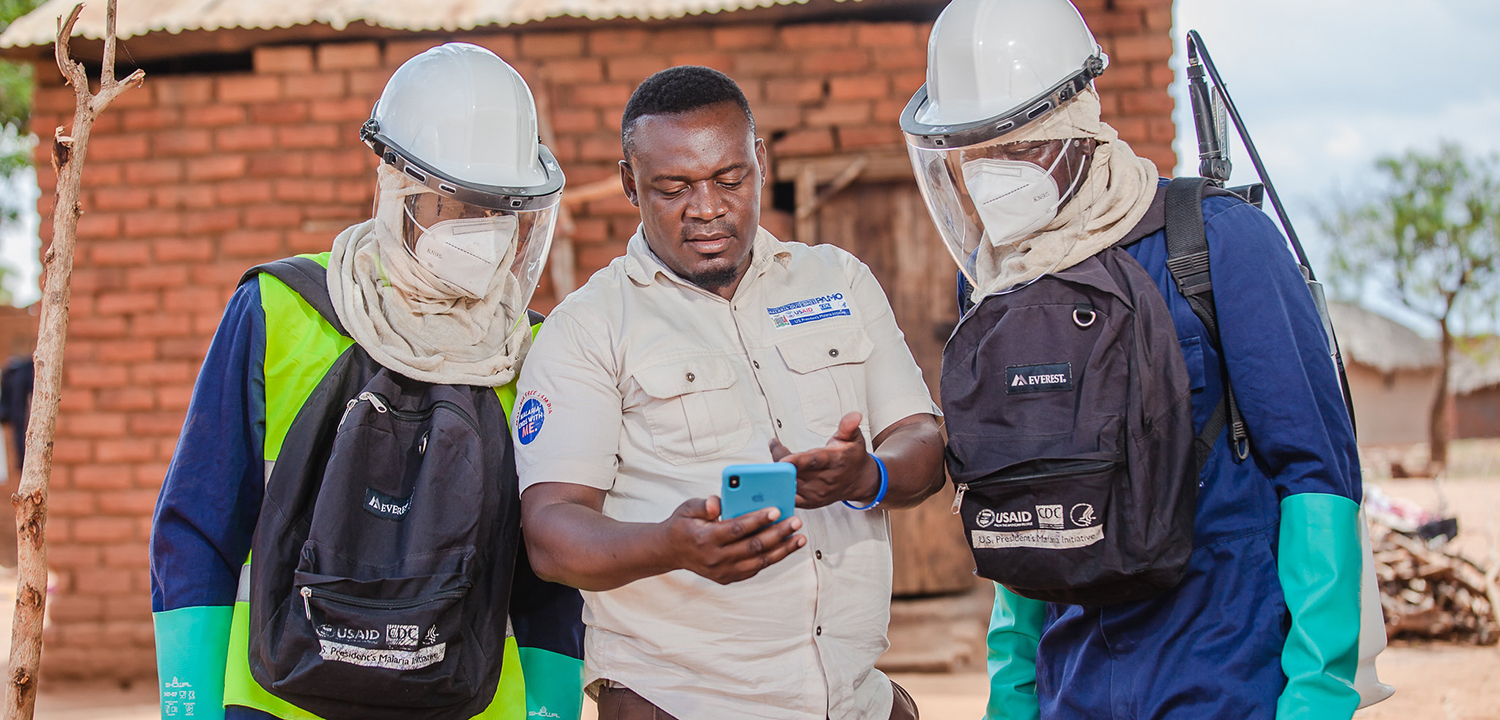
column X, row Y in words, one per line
column 989, row 200
column 465, row 250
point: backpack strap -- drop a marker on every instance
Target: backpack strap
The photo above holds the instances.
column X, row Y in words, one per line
column 1187, row 260
column 306, row 277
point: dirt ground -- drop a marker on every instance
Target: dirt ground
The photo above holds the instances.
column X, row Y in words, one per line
column 1434, row 681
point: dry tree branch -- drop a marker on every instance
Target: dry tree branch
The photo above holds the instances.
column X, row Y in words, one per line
column 30, row 501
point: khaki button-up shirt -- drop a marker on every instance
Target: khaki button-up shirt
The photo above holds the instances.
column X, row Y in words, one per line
column 646, row 386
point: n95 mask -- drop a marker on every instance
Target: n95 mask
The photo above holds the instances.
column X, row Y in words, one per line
column 469, row 252
column 1014, row 198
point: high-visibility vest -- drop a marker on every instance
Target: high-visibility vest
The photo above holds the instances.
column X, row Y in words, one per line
column 301, row 348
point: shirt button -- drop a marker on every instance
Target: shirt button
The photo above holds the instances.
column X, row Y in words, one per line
column 818, row 554
column 778, row 424
column 833, row 352
column 756, row 363
column 818, row 630
column 690, row 377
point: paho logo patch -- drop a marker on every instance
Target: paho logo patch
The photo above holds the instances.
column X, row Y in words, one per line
column 809, row 310
column 532, row 409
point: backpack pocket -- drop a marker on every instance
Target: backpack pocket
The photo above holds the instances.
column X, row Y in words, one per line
column 393, row 641
column 1040, row 525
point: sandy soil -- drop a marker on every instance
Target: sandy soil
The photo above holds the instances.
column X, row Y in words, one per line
column 1433, row 682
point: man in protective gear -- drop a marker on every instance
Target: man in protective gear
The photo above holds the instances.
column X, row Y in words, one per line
column 1023, row 179
column 434, row 287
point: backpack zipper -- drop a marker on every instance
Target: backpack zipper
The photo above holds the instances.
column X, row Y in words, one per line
column 1084, row 469
column 382, row 405
column 308, row 593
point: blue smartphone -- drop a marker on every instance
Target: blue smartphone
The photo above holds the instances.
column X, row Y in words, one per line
column 748, row 488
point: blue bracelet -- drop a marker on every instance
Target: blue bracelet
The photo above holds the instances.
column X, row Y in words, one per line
column 885, row 484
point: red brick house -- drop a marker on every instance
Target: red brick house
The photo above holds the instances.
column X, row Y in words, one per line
column 243, row 147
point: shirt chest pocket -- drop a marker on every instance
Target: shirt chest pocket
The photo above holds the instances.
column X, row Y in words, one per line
column 828, row 373
column 694, row 411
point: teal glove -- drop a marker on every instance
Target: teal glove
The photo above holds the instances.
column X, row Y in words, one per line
column 1319, row 566
column 554, row 684
column 1015, row 630
column 191, row 646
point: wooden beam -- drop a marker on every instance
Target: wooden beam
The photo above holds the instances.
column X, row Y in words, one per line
column 881, row 166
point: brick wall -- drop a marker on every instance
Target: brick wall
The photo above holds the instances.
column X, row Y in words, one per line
column 193, row 178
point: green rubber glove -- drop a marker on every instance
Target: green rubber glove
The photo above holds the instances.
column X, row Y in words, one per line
column 191, row 645
column 1015, row 630
column 1319, row 567
column 554, row 684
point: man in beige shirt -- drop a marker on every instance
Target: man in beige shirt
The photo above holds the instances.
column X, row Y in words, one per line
column 711, row 343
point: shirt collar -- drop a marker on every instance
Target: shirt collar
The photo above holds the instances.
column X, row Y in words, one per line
column 642, row 265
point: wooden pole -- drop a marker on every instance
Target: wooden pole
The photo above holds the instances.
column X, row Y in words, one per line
column 31, row 500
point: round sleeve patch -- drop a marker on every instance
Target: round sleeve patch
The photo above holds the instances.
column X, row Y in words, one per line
column 530, row 416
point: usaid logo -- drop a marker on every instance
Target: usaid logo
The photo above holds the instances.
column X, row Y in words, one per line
column 1050, row 516
column 330, row 632
column 990, row 518
column 402, row 635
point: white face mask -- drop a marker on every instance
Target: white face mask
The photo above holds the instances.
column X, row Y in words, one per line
column 467, row 253
column 1014, row 198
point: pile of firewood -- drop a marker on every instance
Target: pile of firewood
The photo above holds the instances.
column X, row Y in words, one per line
column 1432, row 592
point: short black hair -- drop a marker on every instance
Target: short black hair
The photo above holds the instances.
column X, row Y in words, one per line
column 678, row 90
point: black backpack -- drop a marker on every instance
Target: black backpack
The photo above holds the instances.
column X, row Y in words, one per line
column 1070, row 432
column 383, row 558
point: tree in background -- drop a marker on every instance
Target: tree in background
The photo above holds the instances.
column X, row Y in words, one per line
column 16, row 141
column 1429, row 238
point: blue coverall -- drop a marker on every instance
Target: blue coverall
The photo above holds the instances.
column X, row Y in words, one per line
column 1272, row 587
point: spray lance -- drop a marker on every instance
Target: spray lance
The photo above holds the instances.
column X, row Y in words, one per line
column 1212, row 107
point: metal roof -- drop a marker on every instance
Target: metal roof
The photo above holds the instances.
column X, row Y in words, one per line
column 143, row 17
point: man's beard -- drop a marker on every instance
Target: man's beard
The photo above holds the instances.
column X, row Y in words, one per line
column 715, row 279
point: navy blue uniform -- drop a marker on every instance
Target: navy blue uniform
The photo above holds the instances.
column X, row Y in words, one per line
column 1213, row 647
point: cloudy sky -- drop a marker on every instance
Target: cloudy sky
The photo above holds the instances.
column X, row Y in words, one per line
column 1325, row 86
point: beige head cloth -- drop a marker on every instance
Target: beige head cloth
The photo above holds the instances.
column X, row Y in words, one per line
column 414, row 322
column 1108, row 204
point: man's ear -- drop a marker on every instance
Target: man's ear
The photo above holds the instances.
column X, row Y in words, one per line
column 760, row 159
column 627, row 182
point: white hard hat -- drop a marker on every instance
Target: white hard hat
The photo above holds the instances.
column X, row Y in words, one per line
column 995, row 65
column 461, row 121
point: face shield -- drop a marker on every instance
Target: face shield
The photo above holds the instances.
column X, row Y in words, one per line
column 464, row 250
column 997, row 194
column 996, row 187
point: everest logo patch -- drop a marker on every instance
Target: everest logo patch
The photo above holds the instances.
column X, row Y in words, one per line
column 1043, row 377
column 380, row 504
